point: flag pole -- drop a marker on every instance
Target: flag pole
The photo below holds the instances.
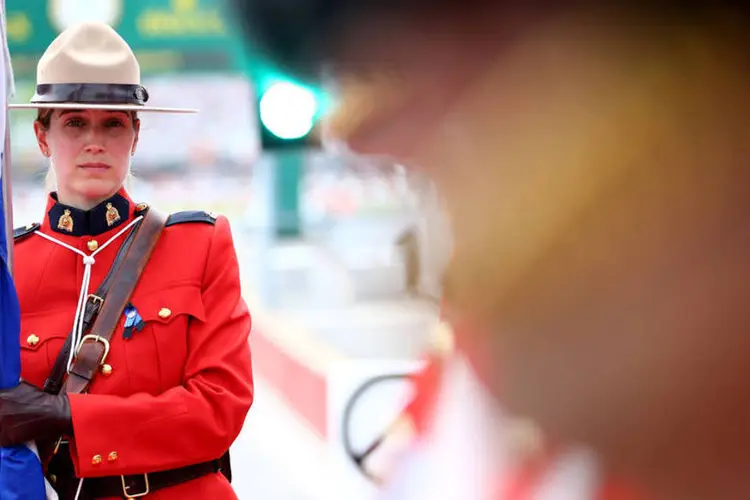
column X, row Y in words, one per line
column 5, row 157
column 7, row 194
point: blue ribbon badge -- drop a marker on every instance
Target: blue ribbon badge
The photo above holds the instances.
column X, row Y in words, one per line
column 133, row 321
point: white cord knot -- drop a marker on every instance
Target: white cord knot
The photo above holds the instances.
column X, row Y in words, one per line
column 88, row 260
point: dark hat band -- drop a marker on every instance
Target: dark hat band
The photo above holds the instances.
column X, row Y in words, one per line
column 90, row 93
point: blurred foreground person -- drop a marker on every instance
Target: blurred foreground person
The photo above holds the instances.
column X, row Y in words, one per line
column 594, row 164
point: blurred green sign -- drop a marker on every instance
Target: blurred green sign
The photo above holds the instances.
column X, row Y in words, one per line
column 167, row 35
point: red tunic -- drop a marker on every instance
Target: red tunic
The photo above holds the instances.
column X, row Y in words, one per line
column 181, row 387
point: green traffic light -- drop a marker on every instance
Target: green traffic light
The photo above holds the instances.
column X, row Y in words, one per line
column 288, row 110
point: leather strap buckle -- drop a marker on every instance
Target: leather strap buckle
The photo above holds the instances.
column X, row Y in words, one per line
column 146, row 488
column 95, row 338
column 94, row 298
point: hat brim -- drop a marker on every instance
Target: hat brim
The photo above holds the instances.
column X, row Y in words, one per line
column 110, row 107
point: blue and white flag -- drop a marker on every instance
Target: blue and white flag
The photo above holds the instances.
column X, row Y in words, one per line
column 21, row 476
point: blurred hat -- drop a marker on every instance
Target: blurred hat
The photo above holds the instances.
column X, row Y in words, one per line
column 90, row 66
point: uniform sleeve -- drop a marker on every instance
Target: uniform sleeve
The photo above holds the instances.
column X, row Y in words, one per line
column 190, row 423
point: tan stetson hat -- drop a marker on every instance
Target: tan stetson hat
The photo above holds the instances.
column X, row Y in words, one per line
column 90, row 66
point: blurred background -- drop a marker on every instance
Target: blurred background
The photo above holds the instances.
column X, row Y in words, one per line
column 342, row 255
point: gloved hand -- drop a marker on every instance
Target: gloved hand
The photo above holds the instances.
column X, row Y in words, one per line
column 28, row 413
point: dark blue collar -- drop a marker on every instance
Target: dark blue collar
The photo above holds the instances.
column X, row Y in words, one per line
column 73, row 221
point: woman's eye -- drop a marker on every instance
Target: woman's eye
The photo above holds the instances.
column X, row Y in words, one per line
column 74, row 122
column 114, row 123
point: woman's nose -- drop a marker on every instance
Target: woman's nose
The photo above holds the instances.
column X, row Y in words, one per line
column 94, row 147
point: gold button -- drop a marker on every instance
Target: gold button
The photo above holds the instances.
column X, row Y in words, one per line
column 141, row 207
column 29, row 227
column 53, row 479
column 112, row 456
column 107, row 370
column 93, row 245
column 32, row 340
column 164, row 313
column 96, row 459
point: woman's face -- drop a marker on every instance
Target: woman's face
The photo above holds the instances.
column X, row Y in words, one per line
column 90, row 151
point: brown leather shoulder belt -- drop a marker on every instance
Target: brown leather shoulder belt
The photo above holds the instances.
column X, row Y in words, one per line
column 92, row 354
column 94, row 347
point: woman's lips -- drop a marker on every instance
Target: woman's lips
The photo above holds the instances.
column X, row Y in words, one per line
column 94, row 166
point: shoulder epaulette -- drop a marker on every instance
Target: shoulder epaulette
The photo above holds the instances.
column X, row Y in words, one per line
column 191, row 216
column 20, row 233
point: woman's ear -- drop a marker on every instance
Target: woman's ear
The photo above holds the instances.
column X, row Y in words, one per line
column 41, row 138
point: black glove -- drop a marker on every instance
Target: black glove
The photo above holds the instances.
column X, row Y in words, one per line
column 28, row 413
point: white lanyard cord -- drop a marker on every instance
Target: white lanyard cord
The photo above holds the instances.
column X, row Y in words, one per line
column 88, row 262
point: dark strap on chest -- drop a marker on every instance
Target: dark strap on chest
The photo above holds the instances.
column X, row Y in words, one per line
column 129, row 262
column 94, row 347
column 54, row 381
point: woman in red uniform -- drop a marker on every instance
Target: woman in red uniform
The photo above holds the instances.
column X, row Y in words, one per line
column 172, row 391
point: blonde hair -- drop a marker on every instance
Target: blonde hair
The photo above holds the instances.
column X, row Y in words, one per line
column 640, row 138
